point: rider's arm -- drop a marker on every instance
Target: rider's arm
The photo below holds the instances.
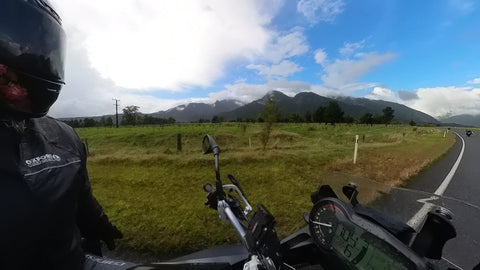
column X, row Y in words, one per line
column 91, row 219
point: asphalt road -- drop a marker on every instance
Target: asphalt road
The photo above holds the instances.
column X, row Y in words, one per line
column 464, row 250
column 456, row 177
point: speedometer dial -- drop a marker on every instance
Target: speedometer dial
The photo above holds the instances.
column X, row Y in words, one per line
column 324, row 219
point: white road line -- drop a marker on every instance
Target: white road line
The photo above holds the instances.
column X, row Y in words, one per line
column 418, row 218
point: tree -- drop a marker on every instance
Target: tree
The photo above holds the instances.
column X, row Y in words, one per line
column 130, row 115
column 296, row 118
column 270, row 115
column 367, row 119
column 89, row 122
column 308, row 117
column 171, row 120
column 217, row 119
column 333, row 113
column 348, row 119
column 109, row 122
column 319, row 115
column 388, row 115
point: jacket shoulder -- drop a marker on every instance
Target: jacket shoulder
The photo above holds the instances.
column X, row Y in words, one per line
column 55, row 130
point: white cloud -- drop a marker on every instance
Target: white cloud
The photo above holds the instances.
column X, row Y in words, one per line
column 286, row 46
column 167, row 44
column 320, row 10
column 86, row 93
column 440, row 101
column 349, row 48
column 248, row 92
column 320, row 57
column 382, row 93
column 347, row 71
column 437, row 101
column 283, row 69
column 474, row 81
column 277, row 52
column 126, row 49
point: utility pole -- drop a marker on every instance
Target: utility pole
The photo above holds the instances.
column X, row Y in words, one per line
column 116, row 110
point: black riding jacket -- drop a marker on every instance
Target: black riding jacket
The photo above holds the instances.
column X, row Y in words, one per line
column 46, row 200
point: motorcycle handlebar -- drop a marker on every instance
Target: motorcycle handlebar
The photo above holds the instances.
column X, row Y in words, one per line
column 208, row 188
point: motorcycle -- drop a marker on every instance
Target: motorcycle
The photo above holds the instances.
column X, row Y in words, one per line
column 354, row 223
column 468, row 133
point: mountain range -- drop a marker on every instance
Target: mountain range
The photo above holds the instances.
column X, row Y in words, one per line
column 299, row 104
column 462, row 120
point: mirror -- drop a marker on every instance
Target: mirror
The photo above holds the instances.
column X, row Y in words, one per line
column 209, row 145
column 206, row 145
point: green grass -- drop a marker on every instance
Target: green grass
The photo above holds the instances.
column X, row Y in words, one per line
column 154, row 193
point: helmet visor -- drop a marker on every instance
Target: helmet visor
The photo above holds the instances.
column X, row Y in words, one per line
column 23, row 95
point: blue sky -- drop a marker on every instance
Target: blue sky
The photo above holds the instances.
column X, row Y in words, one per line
column 159, row 54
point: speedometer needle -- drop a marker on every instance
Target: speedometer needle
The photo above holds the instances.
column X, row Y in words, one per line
column 322, row 224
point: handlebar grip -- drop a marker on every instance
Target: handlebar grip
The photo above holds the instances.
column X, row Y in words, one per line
column 208, row 188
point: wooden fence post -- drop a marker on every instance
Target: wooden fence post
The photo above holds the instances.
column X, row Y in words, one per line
column 356, row 150
column 179, row 142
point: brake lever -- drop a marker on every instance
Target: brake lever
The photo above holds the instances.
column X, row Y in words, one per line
column 237, row 183
column 236, row 207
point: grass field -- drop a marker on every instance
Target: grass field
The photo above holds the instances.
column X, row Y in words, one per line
column 154, row 194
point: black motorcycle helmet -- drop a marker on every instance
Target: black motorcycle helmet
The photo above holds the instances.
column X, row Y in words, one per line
column 32, row 52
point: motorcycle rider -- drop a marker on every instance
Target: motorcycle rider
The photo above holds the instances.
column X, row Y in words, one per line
column 46, row 201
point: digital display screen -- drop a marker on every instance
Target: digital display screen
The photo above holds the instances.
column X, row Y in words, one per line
column 365, row 251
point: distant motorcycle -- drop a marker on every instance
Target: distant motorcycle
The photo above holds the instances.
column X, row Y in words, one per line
column 468, row 133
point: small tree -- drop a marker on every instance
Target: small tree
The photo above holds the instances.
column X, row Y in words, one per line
column 109, row 122
column 319, row 115
column 308, row 117
column 388, row 115
column 130, row 115
column 217, row 119
column 296, row 118
column 333, row 113
column 367, row 119
column 348, row 119
column 270, row 115
column 89, row 122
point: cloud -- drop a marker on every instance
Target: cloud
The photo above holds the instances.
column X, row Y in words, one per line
column 249, row 92
column 320, row 57
column 382, row 93
column 283, row 69
column 437, row 101
column 277, row 52
column 407, row 95
column 130, row 49
column 286, row 46
column 347, row 71
column 320, row 10
column 474, row 81
column 440, row 101
column 170, row 45
column 87, row 93
column 349, row 48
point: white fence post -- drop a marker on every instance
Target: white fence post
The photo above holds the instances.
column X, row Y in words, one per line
column 356, row 150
